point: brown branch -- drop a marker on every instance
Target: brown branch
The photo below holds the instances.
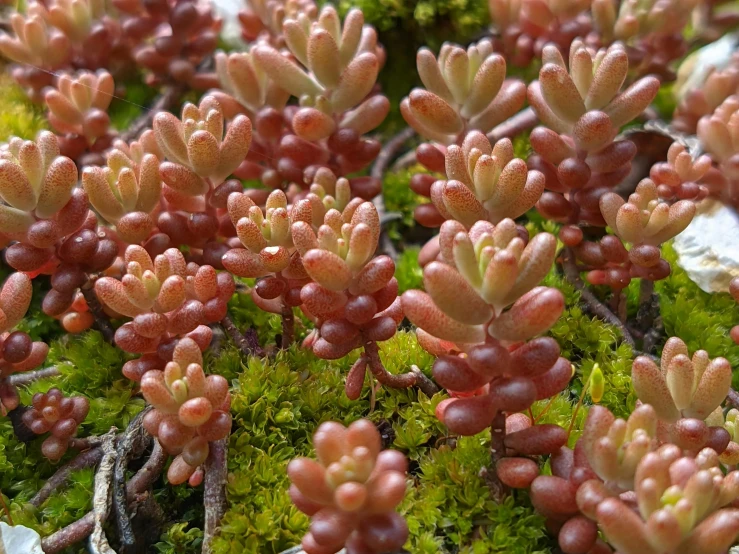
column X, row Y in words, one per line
column 168, row 98
column 101, row 321
column 733, row 398
column 84, row 460
column 102, row 497
column 247, row 343
column 386, row 155
column 523, row 121
column 288, row 326
column 414, row 378
column 595, row 306
column 389, row 151
column 77, row 531
column 214, row 495
column 497, row 451
column 20, row 379
column 131, row 445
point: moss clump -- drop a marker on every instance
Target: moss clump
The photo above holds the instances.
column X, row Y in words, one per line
column 407, row 271
column 700, row 319
column 276, row 409
column 125, row 109
column 20, row 117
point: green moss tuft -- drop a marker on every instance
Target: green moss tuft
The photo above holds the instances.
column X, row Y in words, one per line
column 700, row 319
column 20, row 117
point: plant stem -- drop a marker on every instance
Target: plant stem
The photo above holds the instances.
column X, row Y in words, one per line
column 20, row 379
column 595, row 306
column 83, row 460
column 523, row 121
column 214, row 496
column 733, row 398
column 402, row 381
column 77, row 531
column 166, row 100
column 247, row 344
column 101, row 321
column 288, row 326
column 497, row 452
column 386, row 155
column 5, row 509
column 130, row 446
column 102, row 495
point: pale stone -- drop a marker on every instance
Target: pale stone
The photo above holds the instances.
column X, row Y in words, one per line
column 19, row 540
column 231, row 32
column 708, row 250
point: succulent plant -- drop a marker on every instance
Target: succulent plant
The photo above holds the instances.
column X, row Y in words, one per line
column 183, row 34
column 78, row 111
column 615, row 447
column 583, row 110
column 127, row 191
column 681, row 386
column 190, row 409
column 351, row 491
column 18, row 352
column 485, row 182
column 703, row 97
column 524, row 27
column 166, row 298
column 41, row 204
column 464, row 90
column 682, row 506
column 678, row 177
column 719, row 136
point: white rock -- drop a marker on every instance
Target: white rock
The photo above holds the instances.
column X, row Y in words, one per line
column 708, row 250
column 231, row 32
column 19, row 540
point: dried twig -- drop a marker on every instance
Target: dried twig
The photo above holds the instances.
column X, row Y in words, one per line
column 247, row 343
column 84, row 460
column 101, row 497
column 733, row 398
column 214, row 496
column 169, row 96
column 130, row 446
column 595, row 306
column 101, row 321
column 386, row 155
column 523, row 121
column 389, row 151
column 20, row 379
column 77, row 531
column 414, row 378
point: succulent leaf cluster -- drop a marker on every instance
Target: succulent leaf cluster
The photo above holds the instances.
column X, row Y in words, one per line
column 190, row 409
column 351, row 491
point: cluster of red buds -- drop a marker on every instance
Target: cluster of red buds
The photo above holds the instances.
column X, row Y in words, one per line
column 351, row 492
column 53, row 413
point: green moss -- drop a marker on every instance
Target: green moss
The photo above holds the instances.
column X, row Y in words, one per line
column 276, row 409
column 126, row 108
column 700, row 319
column 400, row 199
column 407, row 271
column 20, row 117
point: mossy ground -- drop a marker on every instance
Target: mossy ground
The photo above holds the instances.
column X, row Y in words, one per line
column 278, row 402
